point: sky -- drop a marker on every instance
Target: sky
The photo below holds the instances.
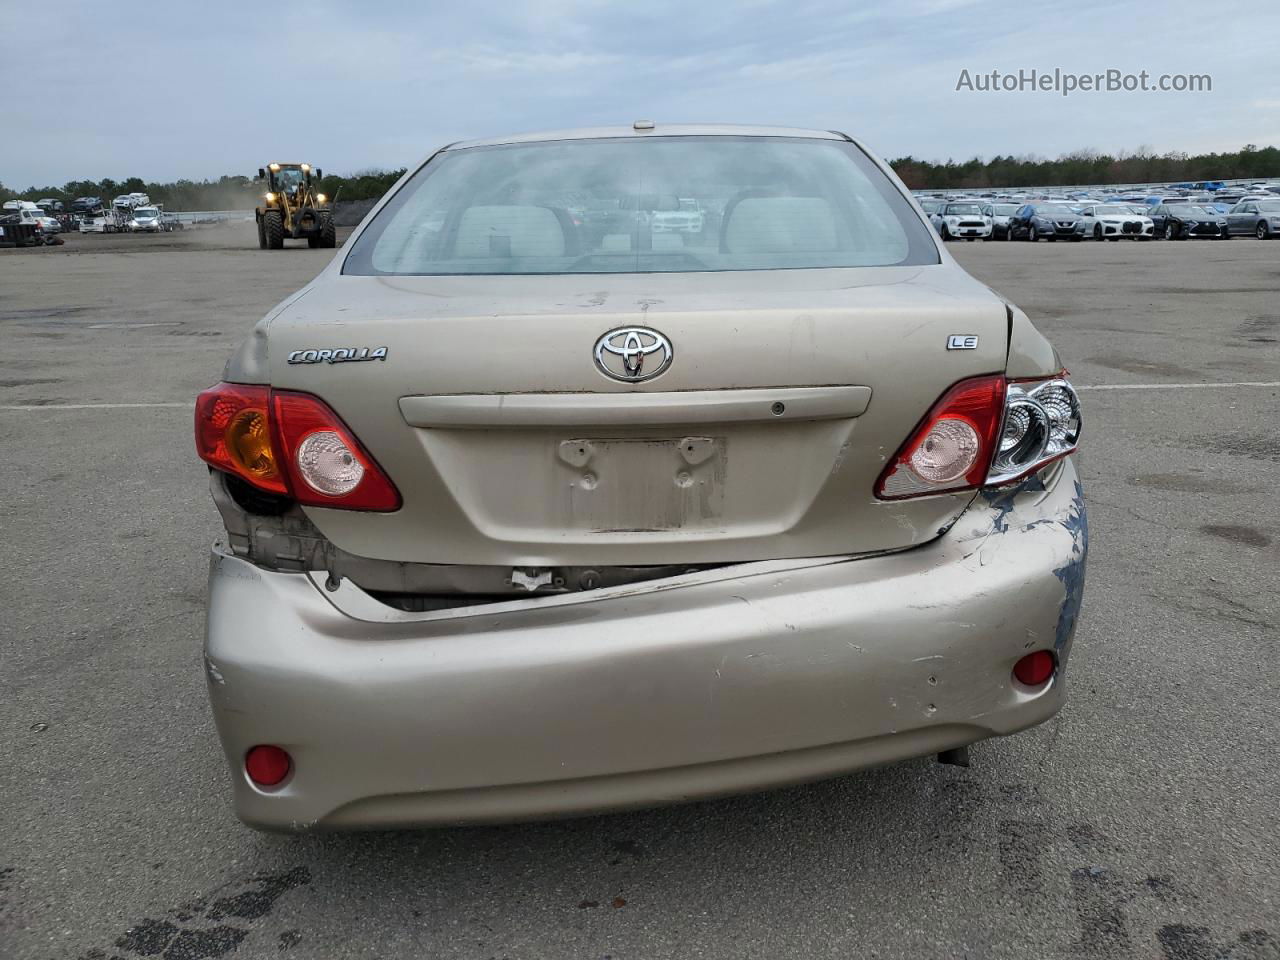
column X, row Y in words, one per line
column 198, row 89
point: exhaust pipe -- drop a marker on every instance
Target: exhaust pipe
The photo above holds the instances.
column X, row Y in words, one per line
column 956, row 756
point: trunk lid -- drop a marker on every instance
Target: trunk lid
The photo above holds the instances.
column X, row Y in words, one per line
column 787, row 393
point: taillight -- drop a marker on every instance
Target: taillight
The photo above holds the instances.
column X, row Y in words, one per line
column 289, row 443
column 952, row 447
column 987, row 431
column 233, row 434
column 326, row 464
column 1041, row 424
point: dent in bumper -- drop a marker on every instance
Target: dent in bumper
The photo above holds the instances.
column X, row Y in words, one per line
column 722, row 681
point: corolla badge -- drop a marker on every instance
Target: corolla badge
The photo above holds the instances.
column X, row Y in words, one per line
column 633, row 354
column 338, row 355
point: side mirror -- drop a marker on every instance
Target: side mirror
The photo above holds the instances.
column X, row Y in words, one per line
column 262, row 174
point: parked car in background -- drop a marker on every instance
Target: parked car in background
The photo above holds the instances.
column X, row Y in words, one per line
column 999, row 213
column 82, row 205
column 1044, row 221
column 1187, row 221
column 1258, row 217
column 1114, row 221
column 146, row 220
column 962, row 221
column 686, row 218
column 673, row 552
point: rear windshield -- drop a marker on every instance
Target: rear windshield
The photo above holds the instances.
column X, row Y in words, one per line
column 653, row 205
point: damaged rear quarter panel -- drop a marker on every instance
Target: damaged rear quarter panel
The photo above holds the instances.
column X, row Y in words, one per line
column 1018, row 509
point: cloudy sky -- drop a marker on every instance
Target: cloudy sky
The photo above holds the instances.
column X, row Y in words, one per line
column 168, row 90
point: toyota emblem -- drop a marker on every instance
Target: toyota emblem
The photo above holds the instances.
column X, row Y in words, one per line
column 633, row 354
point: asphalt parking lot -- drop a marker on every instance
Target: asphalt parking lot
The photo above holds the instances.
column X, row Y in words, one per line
column 1143, row 821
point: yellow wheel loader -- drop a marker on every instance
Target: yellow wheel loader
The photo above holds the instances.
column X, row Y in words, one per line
column 291, row 209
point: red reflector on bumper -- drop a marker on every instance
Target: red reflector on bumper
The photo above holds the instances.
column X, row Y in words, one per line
column 267, row 765
column 1035, row 668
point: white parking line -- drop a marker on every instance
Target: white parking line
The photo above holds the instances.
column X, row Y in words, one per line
column 35, row 407
column 1178, row 386
column 53, row 407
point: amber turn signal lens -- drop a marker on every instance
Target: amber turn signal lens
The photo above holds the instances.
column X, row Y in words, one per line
column 248, row 441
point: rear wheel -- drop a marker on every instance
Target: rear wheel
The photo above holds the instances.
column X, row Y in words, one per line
column 273, row 226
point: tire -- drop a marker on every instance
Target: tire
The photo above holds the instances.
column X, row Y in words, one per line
column 970, row 239
column 328, row 234
column 262, row 235
column 1097, row 232
column 1032, row 235
column 1008, row 233
column 1169, row 233
column 273, row 227
column 1262, row 233
column 945, row 233
column 313, row 242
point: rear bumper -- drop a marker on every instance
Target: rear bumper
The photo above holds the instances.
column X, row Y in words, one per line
column 716, row 682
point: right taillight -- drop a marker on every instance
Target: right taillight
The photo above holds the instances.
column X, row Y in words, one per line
column 986, row 431
column 1041, row 424
column 289, row 443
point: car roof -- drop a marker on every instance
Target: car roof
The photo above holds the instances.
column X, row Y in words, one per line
column 657, row 130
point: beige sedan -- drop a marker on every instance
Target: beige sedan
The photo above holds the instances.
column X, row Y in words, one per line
column 535, row 507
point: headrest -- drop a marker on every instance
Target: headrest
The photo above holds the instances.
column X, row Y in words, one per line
column 780, row 225
column 509, row 231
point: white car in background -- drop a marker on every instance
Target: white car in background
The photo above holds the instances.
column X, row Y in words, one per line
column 999, row 212
column 1114, row 221
column 965, row 220
column 686, row 218
column 146, row 220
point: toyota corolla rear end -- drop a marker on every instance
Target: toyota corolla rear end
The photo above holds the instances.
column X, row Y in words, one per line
column 533, row 515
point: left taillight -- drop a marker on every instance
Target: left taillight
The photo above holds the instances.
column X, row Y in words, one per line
column 233, row 434
column 289, row 443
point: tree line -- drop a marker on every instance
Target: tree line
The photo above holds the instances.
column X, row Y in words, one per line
column 225, row 193
column 1079, row 167
column 1089, row 167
